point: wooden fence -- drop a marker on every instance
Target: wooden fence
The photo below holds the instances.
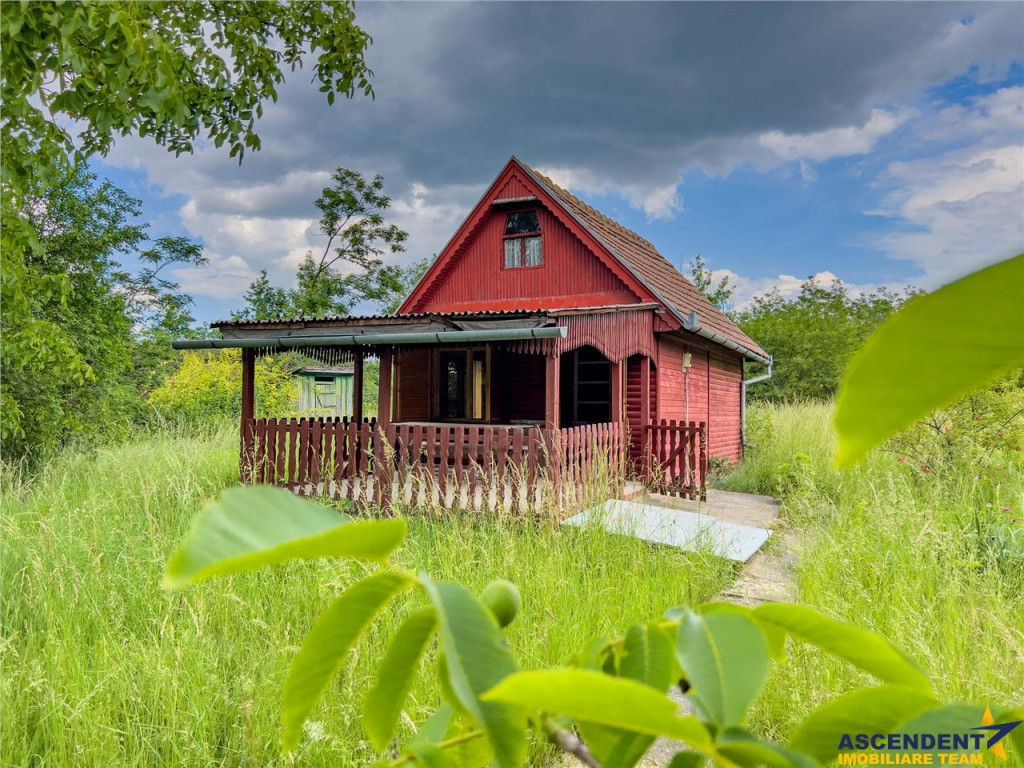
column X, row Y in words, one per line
column 488, row 467
column 676, row 458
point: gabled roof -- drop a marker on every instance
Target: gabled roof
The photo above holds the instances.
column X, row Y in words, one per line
column 663, row 279
column 632, row 257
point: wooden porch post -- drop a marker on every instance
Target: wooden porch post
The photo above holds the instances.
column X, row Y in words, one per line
column 384, row 389
column 357, row 387
column 551, row 386
column 616, row 369
column 248, row 408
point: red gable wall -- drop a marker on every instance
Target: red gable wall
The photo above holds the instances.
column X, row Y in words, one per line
column 470, row 273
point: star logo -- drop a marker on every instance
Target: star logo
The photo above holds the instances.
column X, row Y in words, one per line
column 999, row 732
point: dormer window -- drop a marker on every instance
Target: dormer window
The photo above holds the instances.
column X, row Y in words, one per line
column 522, row 240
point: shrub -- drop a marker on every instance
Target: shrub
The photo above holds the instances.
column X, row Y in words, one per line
column 206, row 387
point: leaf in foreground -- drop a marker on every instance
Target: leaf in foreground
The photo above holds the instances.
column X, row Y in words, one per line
column 327, row 644
column 865, row 650
column 250, row 528
column 477, row 660
column 725, row 659
column 936, row 349
column 594, row 697
column 383, row 704
column 870, row 710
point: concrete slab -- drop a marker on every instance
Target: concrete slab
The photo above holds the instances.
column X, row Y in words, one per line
column 690, row 531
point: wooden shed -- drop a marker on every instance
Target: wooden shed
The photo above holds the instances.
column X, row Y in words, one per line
column 541, row 323
column 325, row 390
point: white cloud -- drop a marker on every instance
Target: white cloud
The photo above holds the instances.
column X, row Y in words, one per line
column 960, row 211
column 657, row 201
column 836, row 142
column 223, row 278
column 747, row 288
column 962, row 208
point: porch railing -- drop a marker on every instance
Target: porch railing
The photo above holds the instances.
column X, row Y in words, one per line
column 491, row 467
column 676, row 458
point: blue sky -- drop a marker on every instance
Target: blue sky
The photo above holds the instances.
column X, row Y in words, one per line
column 881, row 144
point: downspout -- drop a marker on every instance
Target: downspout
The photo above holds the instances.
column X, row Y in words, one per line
column 743, row 400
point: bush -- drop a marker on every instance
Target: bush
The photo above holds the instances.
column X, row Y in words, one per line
column 207, row 387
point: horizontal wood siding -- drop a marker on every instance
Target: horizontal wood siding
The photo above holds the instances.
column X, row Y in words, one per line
column 571, row 276
column 412, row 385
column 634, row 422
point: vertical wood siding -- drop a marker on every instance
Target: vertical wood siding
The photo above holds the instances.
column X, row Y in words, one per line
column 571, row 276
column 714, row 389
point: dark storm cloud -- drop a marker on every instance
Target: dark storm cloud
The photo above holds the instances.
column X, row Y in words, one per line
column 627, row 95
column 632, row 92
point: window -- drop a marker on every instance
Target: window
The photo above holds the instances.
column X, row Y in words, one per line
column 522, row 240
column 464, row 387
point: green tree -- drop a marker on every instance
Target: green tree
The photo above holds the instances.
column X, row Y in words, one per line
column 719, row 293
column 264, row 301
column 812, row 335
column 84, row 227
column 173, row 71
column 351, row 270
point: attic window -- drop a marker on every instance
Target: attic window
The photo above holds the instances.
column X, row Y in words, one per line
column 522, row 240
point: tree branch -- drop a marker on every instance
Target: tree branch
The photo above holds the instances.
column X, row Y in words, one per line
column 569, row 743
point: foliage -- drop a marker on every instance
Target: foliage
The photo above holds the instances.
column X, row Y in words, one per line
column 910, row 554
column 173, row 72
column 939, row 348
column 614, row 691
column 93, row 646
column 103, row 322
column 352, row 219
column 205, row 388
column 812, row 336
column 719, row 293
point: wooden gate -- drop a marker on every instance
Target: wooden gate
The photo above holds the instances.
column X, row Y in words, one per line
column 676, row 458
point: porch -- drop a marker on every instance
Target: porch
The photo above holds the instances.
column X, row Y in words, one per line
column 521, row 411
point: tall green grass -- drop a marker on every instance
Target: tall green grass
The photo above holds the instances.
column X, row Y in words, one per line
column 894, row 549
column 101, row 667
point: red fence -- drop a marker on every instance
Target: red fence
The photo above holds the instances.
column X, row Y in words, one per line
column 676, row 458
column 443, row 465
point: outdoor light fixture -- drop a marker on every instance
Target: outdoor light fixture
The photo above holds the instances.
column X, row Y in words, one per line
column 687, row 361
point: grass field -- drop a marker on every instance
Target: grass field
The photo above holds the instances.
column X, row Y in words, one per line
column 100, row 667
column 893, row 549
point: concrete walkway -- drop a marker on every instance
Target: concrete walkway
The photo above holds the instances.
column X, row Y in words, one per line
column 765, row 577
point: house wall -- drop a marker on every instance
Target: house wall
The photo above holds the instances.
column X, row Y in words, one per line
column 571, row 276
column 709, row 391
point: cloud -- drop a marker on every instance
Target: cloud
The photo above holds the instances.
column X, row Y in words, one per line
column 623, row 98
column 746, row 288
column 962, row 208
column 660, row 202
column 836, row 142
column 959, row 211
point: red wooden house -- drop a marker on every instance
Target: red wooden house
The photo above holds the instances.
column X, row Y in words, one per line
column 541, row 323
